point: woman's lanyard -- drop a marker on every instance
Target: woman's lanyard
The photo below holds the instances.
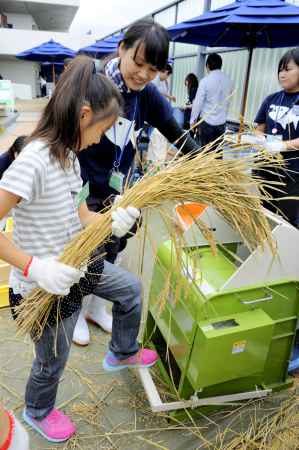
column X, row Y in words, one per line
column 274, row 129
column 116, row 180
column 119, row 157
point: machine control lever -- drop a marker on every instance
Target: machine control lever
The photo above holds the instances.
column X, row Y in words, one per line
column 268, row 298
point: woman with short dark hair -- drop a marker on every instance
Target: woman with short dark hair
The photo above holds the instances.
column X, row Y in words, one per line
column 278, row 120
column 107, row 166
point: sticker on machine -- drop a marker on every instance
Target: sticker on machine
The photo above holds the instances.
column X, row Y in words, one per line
column 239, row 347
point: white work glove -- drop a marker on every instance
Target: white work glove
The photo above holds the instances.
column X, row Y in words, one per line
column 123, row 219
column 275, row 147
column 53, row 276
column 253, row 139
column 117, row 199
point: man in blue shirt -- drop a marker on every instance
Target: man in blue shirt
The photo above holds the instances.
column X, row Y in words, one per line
column 212, row 101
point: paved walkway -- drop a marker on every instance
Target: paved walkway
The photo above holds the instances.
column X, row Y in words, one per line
column 29, row 113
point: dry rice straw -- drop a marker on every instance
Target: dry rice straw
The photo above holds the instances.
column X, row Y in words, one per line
column 223, row 184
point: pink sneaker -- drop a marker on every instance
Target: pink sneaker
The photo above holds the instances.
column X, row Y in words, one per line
column 56, row 427
column 144, row 358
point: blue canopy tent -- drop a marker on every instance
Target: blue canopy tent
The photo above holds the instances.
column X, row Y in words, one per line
column 98, row 50
column 114, row 39
column 50, row 51
column 244, row 23
column 102, row 47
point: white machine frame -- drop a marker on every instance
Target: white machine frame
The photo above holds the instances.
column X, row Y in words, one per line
column 194, row 402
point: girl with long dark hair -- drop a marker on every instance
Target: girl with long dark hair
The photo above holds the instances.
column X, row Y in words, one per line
column 44, row 189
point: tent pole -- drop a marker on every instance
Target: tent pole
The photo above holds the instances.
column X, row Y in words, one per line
column 201, row 52
column 173, row 46
column 53, row 74
column 245, row 91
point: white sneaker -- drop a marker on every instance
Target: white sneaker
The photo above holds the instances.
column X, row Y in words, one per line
column 20, row 438
column 81, row 334
column 96, row 313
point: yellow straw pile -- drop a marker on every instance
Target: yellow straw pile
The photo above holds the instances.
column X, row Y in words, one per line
column 223, row 184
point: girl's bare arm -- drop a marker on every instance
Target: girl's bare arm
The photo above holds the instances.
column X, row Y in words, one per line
column 8, row 251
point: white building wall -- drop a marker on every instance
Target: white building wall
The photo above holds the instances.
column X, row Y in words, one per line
column 75, row 3
column 16, row 41
column 25, row 35
column 21, row 21
column 21, row 72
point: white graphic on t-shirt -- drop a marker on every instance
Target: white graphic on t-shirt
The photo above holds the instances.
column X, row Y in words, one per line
column 122, row 132
column 283, row 115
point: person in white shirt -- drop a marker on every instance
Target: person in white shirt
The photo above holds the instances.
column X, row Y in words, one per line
column 159, row 145
column 212, row 101
column 162, row 83
column 43, row 86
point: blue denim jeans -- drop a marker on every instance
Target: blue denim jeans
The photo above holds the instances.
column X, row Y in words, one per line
column 124, row 290
column 52, row 349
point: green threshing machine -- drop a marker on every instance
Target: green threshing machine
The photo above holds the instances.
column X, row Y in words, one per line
column 227, row 329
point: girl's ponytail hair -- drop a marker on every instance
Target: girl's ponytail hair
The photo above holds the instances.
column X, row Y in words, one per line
column 79, row 85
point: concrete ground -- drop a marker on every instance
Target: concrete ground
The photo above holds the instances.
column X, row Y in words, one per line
column 110, row 410
column 28, row 114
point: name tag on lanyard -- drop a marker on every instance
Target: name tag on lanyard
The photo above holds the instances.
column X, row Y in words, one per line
column 82, row 195
column 116, row 179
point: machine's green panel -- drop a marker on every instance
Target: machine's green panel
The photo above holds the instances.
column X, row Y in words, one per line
column 175, row 338
column 230, row 347
column 177, row 309
column 214, row 270
column 187, row 296
column 199, row 264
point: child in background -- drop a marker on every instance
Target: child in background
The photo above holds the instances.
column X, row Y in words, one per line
column 10, row 155
column 6, row 159
column 162, row 83
column 43, row 187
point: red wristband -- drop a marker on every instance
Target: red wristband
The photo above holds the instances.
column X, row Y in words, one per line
column 7, row 443
column 26, row 270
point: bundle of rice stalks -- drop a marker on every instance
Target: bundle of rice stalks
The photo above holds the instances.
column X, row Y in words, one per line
column 224, row 184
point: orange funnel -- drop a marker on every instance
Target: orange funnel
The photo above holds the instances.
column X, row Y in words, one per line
column 188, row 213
